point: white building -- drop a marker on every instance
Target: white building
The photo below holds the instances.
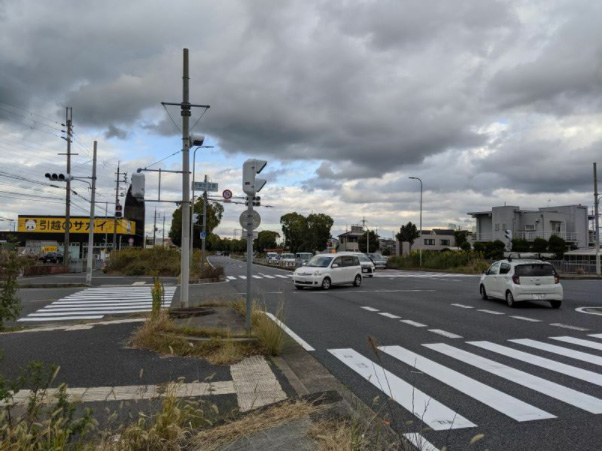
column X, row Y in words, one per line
column 567, row 222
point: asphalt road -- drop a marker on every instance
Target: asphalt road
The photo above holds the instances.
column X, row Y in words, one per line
column 539, row 394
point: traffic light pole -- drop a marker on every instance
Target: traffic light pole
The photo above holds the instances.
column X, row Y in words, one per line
column 90, row 263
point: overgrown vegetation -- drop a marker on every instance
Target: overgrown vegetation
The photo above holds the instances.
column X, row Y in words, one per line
column 156, row 261
column 270, row 335
column 47, row 421
column 158, row 297
column 466, row 262
column 10, row 268
column 206, row 272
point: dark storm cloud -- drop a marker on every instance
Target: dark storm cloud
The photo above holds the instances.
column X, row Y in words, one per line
column 115, row 132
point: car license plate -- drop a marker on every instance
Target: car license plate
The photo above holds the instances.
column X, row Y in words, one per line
column 365, row 270
column 539, row 296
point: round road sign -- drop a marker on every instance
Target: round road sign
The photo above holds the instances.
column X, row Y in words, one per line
column 227, row 194
column 243, row 219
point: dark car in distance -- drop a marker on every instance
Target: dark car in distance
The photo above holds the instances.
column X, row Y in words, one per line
column 52, row 257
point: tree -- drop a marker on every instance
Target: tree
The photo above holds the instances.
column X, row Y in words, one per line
column 557, row 245
column 480, row 247
column 296, row 234
column 408, row 233
column 373, row 242
column 520, row 245
column 461, row 237
column 215, row 212
column 465, row 246
column 10, row 303
column 495, row 250
column 540, row 245
column 266, row 239
column 318, row 227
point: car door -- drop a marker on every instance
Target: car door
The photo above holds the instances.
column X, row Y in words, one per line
column 502, row 279
column 337, row 270
column 489, row 282
column 350, row 268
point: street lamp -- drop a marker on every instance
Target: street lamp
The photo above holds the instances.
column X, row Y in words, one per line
column 420, row 249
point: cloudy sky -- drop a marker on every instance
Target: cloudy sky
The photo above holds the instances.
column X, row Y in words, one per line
column 488, row 102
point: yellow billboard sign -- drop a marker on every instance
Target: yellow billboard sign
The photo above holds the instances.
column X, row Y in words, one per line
column 40, row 224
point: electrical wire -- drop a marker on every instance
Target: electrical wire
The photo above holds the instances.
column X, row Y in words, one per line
column 172, row 120
column 163, row 159
column 200, row 117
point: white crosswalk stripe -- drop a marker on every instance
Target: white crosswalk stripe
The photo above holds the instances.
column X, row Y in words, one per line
column 95, row 303
column 537, row 368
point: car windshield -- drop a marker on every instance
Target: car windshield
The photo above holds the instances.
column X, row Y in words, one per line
column 305, row 255
column 376, row 257
column 364, row 259
column 534, row 270
column 320, row 261
column 288, row 256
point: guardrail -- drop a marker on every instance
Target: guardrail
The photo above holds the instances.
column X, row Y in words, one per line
column 574, row 266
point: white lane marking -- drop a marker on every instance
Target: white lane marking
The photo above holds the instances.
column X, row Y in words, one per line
column 389, row 315
column 582, row 310
column 491, row 312
column 292, row 334
column 413, row 323
column 436, row 415
column 462, row 306
column 267, row 276
column 243, row 277
column 596, row 335
column 568, row 326
column 370, row 309
column 552, row 365
column 538, row 384
column 138, row 283
column 231, row 278
column 524, row 318
column 281, row 276
column 445, row 333
column 500, row 401
column 420, row 442
column 59, row 318
column 580, row 342
column 577, row 355
column 256, row 277
column 91, row 312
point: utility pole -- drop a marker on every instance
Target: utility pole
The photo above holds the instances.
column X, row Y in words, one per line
column 89, row 267
column 163, row 239
column 155, row 228
column 117, row 182
column 185, row 249
column 367, row 235
column 597, row 226
column 69, row 126
column 204, row 224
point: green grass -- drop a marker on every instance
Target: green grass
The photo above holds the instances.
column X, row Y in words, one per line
column 458, row 262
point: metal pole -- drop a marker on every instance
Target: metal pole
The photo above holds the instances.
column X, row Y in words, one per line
column 192, row 207
column 90, row 266
column 106, row 217
column 155, row 228
column 185, row 260
column 163, row 239
column 420, row 250
column 249, row 223
column 66, row 255
column 115, row 212
column 597, row 226
column 204, row 224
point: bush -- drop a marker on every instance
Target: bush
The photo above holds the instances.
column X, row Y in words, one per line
column 472, row 262
column 206, row 272
column 539, row 245
column 557, row 245
column 10, row 304
column 156, row 261
column 520, row 245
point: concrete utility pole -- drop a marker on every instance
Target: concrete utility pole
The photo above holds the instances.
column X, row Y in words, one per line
column 185, row 248
column 163, row 239
column 155, row 228
column 68, row 124
column 420, row 235
column 204, row 224
column 90, row 265
column 597, row 226
column 116, row 203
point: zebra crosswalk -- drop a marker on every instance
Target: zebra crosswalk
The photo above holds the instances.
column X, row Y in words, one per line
column 261, row 276
column 484, row 362
column 96, row 303
column 419, row 274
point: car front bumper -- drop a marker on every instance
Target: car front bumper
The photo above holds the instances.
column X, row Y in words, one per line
column 307, row 281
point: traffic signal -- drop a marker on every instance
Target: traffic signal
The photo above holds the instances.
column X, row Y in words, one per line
column 508, row 234
column 118, row 211
column 138, row 186
column 255, row 199
column 250, row 184
column 58, row 177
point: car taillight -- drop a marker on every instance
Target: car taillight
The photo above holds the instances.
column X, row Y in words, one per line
column 556, row 278
column 515, row 280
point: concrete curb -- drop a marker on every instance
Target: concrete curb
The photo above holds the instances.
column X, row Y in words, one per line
column 307, row 376
column 52, row 285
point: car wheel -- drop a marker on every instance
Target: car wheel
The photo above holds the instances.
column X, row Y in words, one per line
column 326, row 284
column 298, row 287
column 555, row 304
column 510, row 299
column 484, row 293
column 358, row 281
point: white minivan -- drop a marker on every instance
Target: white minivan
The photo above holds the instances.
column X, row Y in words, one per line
column 326, row 270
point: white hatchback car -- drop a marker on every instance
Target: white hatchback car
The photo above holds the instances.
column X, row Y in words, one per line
column 326, row 270
column 522, row 280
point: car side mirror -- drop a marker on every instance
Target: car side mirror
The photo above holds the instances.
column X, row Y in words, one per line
column 304, row 263
column 485, row 271
column 335, row 265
